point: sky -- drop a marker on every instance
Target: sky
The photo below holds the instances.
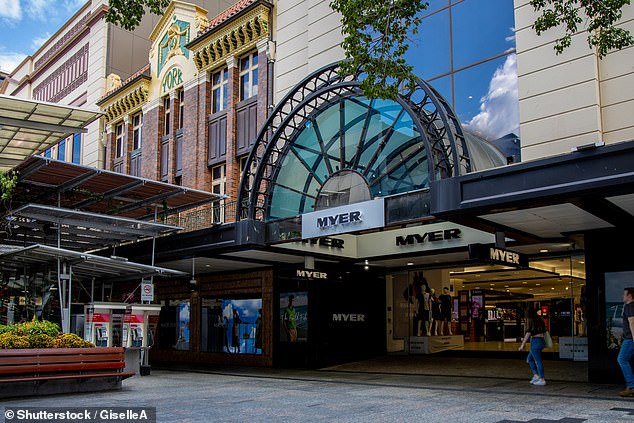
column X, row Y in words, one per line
column 26, row 24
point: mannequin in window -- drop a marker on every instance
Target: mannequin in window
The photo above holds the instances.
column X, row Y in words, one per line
column 435, row 313
column 425, row 309
column 445, row 311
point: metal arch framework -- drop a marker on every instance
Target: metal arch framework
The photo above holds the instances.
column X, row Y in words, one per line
column 433, row 117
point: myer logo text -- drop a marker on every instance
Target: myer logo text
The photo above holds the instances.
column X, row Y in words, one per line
column 339, row 219
column 434, row 236
column 504, row 255
column 310, row 274
column 341, row 317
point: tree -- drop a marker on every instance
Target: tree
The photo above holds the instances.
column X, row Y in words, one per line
column 375, row 40
column 600, row 17
column 375, row 32
column 128, row 13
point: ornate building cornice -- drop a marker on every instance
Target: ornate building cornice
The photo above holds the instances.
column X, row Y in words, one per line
column 128, row 100
column 232, row 39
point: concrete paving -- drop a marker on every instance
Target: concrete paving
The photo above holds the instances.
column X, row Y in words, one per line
column 342, row 394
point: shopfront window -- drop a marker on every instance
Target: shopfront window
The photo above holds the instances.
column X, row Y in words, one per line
column 487, row 304
column 232, row 326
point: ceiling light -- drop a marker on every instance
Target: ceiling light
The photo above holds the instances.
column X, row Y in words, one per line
column 366, row 262
column 552, row 287
column 538, row 284
column 366, row 267
column 524, row 283
column 208, row 265
column 506, row 286
column 409, row 263
column 543, row 250
column 492, row 284
column 582, row 262
column 566, row 288
column 508, row 290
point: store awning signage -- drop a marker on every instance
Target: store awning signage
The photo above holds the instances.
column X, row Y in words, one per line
column 492, row 254
column 344, row 219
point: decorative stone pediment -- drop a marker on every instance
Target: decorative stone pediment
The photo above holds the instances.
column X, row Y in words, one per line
column 128, row 101
column 233, row 39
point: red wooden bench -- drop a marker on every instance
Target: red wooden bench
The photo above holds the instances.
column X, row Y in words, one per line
column 60, row 370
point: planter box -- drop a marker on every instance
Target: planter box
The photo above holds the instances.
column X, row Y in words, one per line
column 28, row 372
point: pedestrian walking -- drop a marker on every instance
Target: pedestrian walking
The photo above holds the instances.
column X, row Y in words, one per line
column 535, row 330
column 627, row 346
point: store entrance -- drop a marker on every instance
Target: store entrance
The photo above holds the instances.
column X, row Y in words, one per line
column 489, row 304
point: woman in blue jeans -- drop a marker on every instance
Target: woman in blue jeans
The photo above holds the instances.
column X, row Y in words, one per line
column 535, row 330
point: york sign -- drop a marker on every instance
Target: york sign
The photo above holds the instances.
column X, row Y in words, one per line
column 172, row 79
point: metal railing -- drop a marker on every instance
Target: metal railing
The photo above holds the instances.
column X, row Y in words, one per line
column 207, row 216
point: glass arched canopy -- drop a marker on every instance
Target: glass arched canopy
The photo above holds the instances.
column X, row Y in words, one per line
column 353, row 150
column 325, row 144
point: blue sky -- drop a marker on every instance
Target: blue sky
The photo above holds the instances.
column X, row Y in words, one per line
column 26, row 24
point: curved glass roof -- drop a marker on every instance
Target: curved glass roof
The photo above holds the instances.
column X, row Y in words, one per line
column 377, row 139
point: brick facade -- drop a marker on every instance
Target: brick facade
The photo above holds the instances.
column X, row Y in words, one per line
column 150, row 161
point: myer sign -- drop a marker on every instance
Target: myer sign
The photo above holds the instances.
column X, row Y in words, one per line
column 343, row 219
column 492, row 254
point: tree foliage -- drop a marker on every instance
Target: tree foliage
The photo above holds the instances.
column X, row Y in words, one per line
column 600, row 17
column 375, row 40
column 128, row 13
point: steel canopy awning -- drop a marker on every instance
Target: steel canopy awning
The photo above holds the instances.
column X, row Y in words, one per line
column 28, row 127
column 56, row 183
column 78, row 230
column 83, row 265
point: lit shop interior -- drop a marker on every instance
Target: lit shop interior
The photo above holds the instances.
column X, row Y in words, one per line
column 489, row 303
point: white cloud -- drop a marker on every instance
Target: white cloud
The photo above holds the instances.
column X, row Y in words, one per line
column 41, row 9
column 10, row 10
column 10, row 60
column 73, row 5
column 499, row 108
column 37, row 42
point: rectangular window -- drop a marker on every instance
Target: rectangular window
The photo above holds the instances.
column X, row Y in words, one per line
column 137, row 131
column 61, row 150
column 181, row 108
column 119, row 140
column 47, row 153
column 249, row 76
column 166, row 119
column 218, row 186
column 220, row 90
column 76, row 149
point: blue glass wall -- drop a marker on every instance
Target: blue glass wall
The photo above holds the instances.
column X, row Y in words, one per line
column 466, row 50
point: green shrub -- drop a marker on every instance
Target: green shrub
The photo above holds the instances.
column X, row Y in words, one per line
column 40, row 340
column 70, row 340
column 10, row 340
column 38, row 334
column 40, row 327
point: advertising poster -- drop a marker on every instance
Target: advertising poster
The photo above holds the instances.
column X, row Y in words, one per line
column 615, row 283
column 294, row 317
column 243, row 326
column 182, row 343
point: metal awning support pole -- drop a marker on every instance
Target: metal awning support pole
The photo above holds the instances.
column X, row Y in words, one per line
column 60, row 287
column 154, row 241
column 92, row 290
column 70, row 293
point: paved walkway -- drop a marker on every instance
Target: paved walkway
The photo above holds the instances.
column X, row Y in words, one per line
column 342, row 394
